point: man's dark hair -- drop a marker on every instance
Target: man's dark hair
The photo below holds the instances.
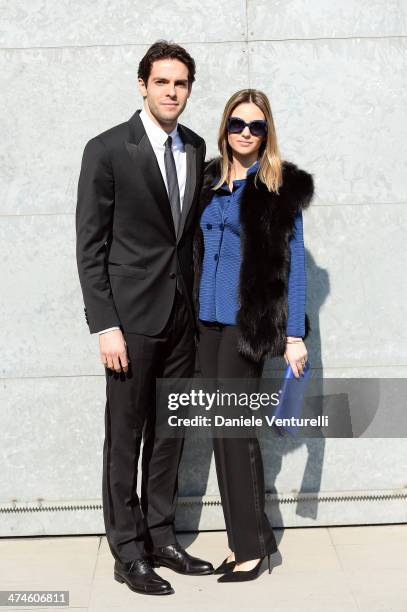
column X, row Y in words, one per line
column 162, row 49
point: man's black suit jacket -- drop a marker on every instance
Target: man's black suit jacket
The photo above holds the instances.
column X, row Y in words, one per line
column 128, row 255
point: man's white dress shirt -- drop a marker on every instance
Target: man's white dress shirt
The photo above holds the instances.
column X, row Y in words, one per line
column 157, row 137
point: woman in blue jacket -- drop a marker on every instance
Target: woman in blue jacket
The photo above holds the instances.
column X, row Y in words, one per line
column 250, row 293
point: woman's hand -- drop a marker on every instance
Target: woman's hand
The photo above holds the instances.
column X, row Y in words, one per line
column 296, row 355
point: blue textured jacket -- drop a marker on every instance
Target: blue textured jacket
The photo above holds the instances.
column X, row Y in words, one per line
column 218, row 291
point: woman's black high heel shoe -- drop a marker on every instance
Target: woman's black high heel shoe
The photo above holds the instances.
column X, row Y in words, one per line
column 241, row 575
column 225, row 566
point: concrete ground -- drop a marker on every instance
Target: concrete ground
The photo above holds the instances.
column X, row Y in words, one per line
column 333, row 569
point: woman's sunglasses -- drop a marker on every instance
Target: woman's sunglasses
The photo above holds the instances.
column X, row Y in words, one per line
column 258, row 127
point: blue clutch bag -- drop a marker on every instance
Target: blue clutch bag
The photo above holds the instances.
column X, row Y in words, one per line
column 291, row 398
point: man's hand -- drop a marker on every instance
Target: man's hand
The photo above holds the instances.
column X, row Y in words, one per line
column 113, row 351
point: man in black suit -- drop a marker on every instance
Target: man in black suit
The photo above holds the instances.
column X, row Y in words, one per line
column 137, row 198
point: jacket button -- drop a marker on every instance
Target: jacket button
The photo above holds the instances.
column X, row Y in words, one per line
column 221, row 227
column 208, row 226
column 216, row 257
column 172, row 275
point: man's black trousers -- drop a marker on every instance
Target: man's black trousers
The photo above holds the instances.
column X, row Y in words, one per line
column 130, row 522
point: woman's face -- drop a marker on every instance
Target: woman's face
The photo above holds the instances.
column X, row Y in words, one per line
column 245, row 143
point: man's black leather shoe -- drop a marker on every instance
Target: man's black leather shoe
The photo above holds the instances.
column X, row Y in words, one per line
column 141, row 578
column 177, row 559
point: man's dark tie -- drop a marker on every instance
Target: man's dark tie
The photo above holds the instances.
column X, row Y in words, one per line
column 173, row 190
column 172, row 182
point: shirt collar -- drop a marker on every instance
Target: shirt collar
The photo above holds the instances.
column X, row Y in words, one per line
column 157, row 135
column 254, row 167
column 251, row 170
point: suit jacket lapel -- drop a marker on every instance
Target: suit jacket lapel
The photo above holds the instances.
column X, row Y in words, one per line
column 142, row 153
column 189, row 186
column 190, row 183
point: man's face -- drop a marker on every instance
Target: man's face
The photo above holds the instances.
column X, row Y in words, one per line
column 167, row 89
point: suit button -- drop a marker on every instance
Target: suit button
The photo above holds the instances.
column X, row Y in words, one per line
column 221, row 227
column 172, row 275
column 208, row 226
column 216, row 257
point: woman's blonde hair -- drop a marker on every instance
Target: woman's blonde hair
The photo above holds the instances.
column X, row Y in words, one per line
column 270, row 167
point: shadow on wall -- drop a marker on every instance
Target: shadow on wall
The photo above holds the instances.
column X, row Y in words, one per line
column 318, row 288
